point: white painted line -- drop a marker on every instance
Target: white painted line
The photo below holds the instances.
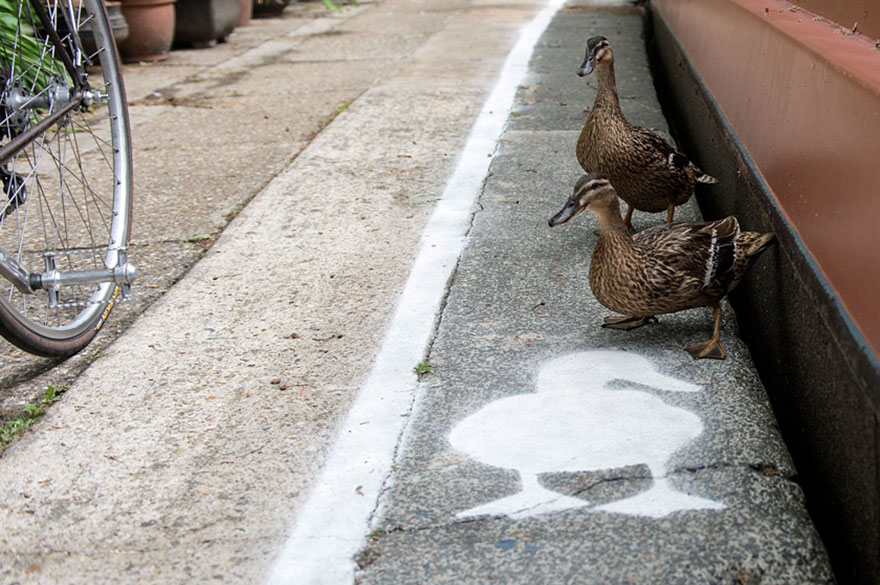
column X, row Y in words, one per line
column 333, row 524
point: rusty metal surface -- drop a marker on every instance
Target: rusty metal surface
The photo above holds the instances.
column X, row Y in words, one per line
column 823, row 378
column 804, row 100
column 861, row 15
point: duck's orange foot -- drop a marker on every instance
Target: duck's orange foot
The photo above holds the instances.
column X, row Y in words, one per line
column 626, row 323
column 712, row 349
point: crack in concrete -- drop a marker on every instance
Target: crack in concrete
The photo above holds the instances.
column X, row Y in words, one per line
column 766, row 469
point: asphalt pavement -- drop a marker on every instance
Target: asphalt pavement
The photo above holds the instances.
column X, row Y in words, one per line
column 261, row 420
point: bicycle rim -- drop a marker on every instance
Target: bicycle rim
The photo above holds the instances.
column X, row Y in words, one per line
column 66, row 194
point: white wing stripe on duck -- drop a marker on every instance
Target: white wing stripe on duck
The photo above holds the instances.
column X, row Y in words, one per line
column 711, row 265
column 722, row 255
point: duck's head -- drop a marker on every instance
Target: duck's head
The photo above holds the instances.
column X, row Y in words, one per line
column 592, row 370
column 598, row 51
column 590, row 192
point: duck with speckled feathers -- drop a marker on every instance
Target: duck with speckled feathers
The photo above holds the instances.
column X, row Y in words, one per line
column 665, row 268
column 648, row 173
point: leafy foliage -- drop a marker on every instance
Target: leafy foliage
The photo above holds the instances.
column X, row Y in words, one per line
column 13, row 428
column 423, row 368
column 23, row 55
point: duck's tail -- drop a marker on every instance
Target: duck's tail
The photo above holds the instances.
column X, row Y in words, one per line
column 702, row 177
column 754, row 243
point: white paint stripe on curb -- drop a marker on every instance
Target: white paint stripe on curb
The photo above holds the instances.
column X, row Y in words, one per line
column 333, row 524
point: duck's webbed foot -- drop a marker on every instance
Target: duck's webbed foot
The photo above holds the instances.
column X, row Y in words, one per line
column 626, row 323
column 711, row 349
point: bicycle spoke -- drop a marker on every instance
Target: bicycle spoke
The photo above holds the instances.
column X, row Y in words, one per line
column 65, row 171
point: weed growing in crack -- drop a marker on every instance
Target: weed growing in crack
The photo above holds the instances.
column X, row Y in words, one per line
column 423, row 369
column 11, row 429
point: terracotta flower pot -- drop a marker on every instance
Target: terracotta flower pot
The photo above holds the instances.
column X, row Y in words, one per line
column 150, row 30
column 247, row 8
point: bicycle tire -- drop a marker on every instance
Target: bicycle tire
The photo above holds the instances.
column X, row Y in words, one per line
column 68, row 192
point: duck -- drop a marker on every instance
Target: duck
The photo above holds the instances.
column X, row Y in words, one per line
column 591, row 411
column 665, row 268
column 648, row 173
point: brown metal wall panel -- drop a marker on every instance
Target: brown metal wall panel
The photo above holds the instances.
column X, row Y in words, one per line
column 823, row 378
column 805, row 102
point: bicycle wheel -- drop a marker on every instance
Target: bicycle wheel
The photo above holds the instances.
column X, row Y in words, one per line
column 65, row 166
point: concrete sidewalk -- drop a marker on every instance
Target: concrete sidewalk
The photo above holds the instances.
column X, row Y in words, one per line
column 544, row 449
column 182, row 451
column 541, row 449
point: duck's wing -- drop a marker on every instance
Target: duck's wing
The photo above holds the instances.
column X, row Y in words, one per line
column 703, row 251
column 660, row 150
column 657, row 148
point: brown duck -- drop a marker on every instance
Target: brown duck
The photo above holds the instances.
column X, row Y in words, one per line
column 665, row 268
column 647, row 172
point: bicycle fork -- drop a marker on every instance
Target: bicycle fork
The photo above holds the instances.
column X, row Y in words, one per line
column 51, row 279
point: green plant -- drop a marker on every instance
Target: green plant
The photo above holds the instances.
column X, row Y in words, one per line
column 423, row 368
column 339, row 110
column 29, row 59
column 15, row 427
column 53, row 393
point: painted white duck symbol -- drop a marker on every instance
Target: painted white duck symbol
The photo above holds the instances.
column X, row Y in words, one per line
column 573, row 423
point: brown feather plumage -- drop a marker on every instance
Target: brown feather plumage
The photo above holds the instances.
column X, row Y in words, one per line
column 665, row 268
column 648, row 173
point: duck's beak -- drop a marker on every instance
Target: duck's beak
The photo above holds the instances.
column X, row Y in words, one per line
column 571, row 209
column 587, row 66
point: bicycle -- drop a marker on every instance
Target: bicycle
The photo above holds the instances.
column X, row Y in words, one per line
column 66, row 172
